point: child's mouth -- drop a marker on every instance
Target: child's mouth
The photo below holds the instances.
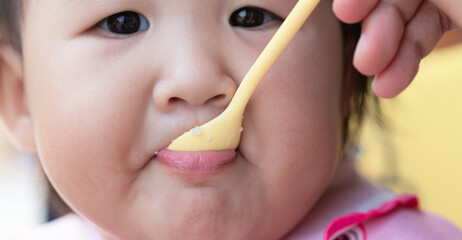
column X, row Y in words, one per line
column 196, row 162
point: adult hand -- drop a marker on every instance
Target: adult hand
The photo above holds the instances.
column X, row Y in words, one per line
column 396, row 35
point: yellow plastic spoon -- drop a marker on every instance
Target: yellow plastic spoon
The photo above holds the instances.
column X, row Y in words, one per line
column 224, row 131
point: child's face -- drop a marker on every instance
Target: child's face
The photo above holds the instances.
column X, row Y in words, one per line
column 103, row 104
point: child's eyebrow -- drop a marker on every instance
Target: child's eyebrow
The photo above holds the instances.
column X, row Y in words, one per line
column 72, row 9
column 88, row 5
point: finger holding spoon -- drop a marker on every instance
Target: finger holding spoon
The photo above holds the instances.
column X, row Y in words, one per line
column 396, row 35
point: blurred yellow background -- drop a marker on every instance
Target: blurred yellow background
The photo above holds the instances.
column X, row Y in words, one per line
column 421, row 150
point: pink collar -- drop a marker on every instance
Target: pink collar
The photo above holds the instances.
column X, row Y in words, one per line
column 352, row 224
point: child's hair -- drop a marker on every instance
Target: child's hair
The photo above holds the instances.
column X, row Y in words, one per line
column 10, row 16
column 9, row 23
column 359, row 83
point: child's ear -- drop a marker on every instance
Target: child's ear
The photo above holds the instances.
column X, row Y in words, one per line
column 13, row 107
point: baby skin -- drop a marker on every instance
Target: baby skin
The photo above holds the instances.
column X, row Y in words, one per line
column 101, row 87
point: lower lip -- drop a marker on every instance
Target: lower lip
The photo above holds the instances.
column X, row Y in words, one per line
column 196, row 163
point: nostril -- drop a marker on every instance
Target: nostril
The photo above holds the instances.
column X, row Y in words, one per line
column 218, row 99
column 174, row 100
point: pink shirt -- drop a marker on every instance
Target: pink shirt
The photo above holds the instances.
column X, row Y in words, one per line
column 398, row 218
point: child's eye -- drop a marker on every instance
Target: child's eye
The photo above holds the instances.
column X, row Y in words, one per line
column 250, row 17
column 125, row 23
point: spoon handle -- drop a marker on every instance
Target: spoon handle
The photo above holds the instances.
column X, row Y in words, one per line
column 224, row 131
column 272, row 51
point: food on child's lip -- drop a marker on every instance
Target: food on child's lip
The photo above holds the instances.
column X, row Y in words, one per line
column 224, row 132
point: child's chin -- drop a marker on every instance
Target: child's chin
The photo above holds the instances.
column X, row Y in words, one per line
column 192, row 229
column 203, row 213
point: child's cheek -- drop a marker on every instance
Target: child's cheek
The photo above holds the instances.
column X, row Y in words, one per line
column 86, row 120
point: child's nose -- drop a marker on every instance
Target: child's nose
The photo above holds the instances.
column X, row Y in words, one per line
column 194, row 78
